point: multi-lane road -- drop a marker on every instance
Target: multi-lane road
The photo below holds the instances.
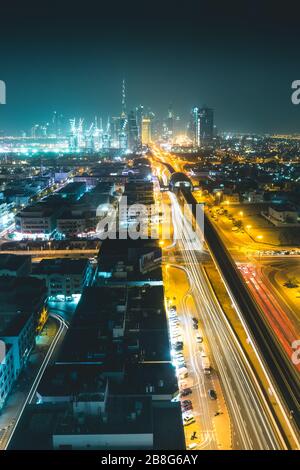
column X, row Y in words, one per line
column 280, row 380
column 253, row 424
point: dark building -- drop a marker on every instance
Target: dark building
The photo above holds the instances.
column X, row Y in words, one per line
column 133, row 132
column 206, row 117
column 15, row 265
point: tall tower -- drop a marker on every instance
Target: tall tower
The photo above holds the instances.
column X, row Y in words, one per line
column 170, row 121
column 202, row 126
column 123, row 114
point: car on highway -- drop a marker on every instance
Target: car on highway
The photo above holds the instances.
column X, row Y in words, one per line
column 206, row 365
column 199, row 338
column 195, row 319
column 212, row 394
column 195, row 326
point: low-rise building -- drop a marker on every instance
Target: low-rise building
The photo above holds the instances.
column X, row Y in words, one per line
column 285, row 213
column 6, row 214
column 253, row 197
column 22, row 295
column 15, row 265
column 73, row 191
column 130, row 262
column 64, row 278
column 38, row 220
column 18, row 331
column 7, row 373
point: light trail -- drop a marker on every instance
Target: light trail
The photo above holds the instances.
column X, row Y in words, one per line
column 276, row 316
column 254, row 422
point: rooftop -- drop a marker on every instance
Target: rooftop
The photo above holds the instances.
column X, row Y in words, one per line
column 13, row 262
column 62, row 266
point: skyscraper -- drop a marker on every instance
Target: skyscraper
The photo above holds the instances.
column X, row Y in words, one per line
column 202, row 126
column 170, row 122
column 139, row 113
column 133, row 133
column 146, row 131
column 123, row 113
column 206, row 116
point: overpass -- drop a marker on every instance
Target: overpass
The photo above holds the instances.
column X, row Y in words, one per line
column 40, row 254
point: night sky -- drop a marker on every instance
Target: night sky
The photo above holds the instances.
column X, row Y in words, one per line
column 71, row 57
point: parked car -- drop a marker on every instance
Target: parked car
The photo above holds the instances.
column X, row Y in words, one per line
column 185, row 392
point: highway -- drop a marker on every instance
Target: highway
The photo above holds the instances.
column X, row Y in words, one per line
column 278, row 369
column 277, row 317
column 281, row 374
column 253, row 423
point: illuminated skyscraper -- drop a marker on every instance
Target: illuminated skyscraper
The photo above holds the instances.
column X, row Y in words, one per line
column 146, row 131
column 123, row 113
column 170, row 122
column 202, row 126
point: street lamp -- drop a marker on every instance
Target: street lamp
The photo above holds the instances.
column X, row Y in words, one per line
column 259, row 237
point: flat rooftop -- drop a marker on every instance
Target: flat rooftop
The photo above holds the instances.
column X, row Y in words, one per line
column 62, row 266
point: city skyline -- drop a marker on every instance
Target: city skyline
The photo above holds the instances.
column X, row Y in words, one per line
column 149, row 231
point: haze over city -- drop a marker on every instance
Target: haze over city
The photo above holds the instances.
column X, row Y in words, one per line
column 240, row 60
